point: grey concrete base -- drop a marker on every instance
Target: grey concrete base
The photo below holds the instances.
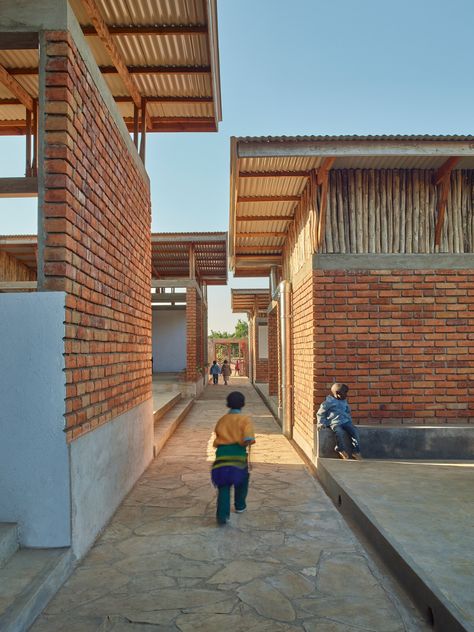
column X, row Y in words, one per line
column 262, row 390
column 27, row 584
column 105, row 464
column 9, row 542
column 167, row 425
column 405, row 442
column 408, row 530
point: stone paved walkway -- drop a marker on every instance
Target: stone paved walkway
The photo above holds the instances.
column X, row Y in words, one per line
column 289, row 563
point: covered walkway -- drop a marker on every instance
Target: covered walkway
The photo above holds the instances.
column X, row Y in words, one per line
column 289, row 563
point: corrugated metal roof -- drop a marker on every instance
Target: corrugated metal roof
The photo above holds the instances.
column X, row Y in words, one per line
column 250, row 300
column 150, row 51
column 350, row 137
column 265, row 174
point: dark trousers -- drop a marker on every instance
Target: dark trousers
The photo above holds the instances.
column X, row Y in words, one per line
column 347, row 437
column 223, row 499
column 215, row 378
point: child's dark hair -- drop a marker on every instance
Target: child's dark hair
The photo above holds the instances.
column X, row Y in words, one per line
column 235, row 400
column 339, row 390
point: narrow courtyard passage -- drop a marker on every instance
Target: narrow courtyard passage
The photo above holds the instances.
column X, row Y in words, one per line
column 289, row 563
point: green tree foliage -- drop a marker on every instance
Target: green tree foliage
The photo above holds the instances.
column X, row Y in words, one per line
column 241, row 331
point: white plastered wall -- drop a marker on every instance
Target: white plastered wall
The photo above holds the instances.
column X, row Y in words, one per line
column 169, row 340
column 34, row 461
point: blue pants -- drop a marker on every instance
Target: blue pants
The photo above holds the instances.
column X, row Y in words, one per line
column 223, row 499
column 347, row 435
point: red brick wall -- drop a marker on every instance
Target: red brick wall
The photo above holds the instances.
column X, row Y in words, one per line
column 272, row 353
column 96, row 235
column 403, row 340
column 195, row 339
column 303, row 328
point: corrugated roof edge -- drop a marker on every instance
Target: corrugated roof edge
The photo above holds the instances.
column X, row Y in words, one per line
column 348, row 137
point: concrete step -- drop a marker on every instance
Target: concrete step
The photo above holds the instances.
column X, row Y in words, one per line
column 8, row 541
column 166, row 406
column 168, row 424
column 27, row 583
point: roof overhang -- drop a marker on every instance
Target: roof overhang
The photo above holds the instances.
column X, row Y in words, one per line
column 164, row 54
column 190, row 255
column 269, row 174
column 250, row 301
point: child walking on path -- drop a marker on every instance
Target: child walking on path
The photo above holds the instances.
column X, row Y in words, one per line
column 234, row 432
column 226, row 371
column 335, row 413
column 214, row 371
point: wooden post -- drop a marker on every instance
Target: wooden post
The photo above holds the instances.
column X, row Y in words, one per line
column 135, row 125
column 192, row 262
column 34, row 166
column 143, row 131
column 28, row 144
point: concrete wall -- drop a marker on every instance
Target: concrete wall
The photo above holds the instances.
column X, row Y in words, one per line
column 169, row 340
column 34, row 463
column 105, row 465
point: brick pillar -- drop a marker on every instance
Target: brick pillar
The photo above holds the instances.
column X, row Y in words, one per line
column 191, row 334
column 272, row 353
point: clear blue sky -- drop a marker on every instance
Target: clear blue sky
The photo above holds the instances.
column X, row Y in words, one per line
column 301, row 67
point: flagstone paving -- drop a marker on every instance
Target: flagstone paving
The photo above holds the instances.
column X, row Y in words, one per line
column 290, row 563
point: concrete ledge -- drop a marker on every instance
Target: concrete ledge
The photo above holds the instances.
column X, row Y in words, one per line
column 269, row 402
column 373, row 261
column 167, row 425
column 405, row 442
column 439, row 612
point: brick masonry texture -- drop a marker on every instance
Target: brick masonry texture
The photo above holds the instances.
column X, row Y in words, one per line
column 303, row 330
column 403, row 341
column 195, row 339
column 261, row 364
column 272, row 353
column 96, row 231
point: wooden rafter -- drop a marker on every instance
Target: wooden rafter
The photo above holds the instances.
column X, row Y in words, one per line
column 15, row 88
column 274, row 174
column 122, row 99
column 444, row 172
column 131, row 70
column 260, row 234
column 443, row 178
column 265, row 218
column 268, row 198
column 104, row 35
column 151, row 29
column 323, row 171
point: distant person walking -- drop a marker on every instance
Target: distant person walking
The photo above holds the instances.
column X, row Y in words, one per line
column 214, row 371
column 237, row 368
column 226, row 371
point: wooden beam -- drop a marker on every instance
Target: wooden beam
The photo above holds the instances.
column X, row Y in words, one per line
column 126, row 99
column 144, row 125
column 151, row 29
column 131, row 70
column 261, row 234
column 323, row 171
column 258, row 248
column 15, row 88
column 268, row 198
column 103, row 32
column 18, row 187
column 165, row 99
column 444, row 171
column 11, row 286
column 19, row 41
column 274, row 174
column 265, row 218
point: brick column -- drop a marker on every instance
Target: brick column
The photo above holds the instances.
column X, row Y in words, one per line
column 191, row 334
column 272, row 353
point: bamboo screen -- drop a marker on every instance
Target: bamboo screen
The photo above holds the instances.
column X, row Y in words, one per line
column 382, row 211
column 13, row 270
